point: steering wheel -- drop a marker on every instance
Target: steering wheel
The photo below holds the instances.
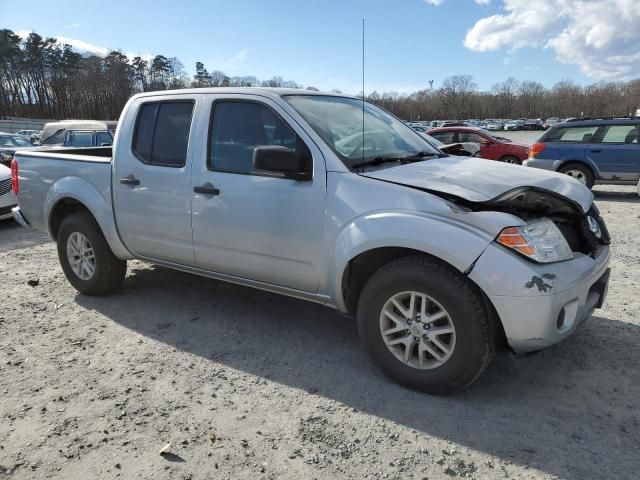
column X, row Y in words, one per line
column 357, row 149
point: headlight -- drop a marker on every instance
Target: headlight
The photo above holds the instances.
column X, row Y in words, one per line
column 540, row 241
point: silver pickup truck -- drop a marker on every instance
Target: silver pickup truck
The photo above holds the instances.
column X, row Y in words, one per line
column 442, row 260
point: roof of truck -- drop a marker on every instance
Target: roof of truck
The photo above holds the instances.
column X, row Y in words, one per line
column 264, row 91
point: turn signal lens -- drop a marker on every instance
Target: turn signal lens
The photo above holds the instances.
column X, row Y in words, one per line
column 512, row 238
column 540, row 241
column 536, row 148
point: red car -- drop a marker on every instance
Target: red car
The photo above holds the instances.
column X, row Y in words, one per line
column 492, row 146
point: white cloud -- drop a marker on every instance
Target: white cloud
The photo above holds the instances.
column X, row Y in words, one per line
column 439, row 2
column 85, row 47
column 600, row 36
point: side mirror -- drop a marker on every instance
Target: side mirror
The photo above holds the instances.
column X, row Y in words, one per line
column 278, row 159
column 486, row 143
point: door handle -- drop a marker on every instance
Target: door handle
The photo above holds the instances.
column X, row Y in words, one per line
column 130, row 180
column 206, row 189
column 595, row 150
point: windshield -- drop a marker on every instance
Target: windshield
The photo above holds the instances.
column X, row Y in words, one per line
column 339, row 122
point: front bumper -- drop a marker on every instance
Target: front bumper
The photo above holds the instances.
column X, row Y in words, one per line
column 541, row 304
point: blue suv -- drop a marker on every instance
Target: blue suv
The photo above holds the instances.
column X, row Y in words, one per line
column 593, row 151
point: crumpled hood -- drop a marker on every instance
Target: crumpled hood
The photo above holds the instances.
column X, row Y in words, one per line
column 479, row 180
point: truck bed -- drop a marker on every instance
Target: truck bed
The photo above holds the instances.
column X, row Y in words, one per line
column 42, row 171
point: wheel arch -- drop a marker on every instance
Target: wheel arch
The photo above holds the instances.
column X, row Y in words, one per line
column 73, row 194
column 363, row 266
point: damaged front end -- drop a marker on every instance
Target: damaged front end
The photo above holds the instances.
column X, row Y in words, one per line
column 583, row 231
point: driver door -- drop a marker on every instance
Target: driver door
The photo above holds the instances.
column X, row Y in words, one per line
column 251, row 224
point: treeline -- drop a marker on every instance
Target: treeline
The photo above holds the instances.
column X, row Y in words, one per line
column 459, row 98
column 39, row 78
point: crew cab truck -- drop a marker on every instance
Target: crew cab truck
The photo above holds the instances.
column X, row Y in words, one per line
column 441, row 259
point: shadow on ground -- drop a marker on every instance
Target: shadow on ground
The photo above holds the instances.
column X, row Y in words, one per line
column 551, row 410
column 14, row 236
column 630, row 196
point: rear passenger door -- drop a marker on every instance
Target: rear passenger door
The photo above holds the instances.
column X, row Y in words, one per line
column 616, row 152
column 151, row 179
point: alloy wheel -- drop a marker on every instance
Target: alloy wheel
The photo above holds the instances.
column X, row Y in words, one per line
column 417, row 330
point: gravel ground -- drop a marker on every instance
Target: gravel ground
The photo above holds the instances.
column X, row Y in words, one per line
column 247, row 384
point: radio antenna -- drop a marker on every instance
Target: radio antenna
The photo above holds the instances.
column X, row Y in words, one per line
column 363, row 94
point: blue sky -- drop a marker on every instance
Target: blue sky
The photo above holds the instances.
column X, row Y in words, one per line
column 409, row 42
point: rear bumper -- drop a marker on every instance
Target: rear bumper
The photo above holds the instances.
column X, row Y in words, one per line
column 540, row 305
column 542, row 163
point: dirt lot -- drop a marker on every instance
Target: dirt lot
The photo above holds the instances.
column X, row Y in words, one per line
column 247, row 384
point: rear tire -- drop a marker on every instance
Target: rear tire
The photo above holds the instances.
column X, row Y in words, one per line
column 580, row 172
column 466, row 351
column 86, row 258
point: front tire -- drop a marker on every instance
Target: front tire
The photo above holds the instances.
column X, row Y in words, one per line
column 86, row 258
column 425, row 326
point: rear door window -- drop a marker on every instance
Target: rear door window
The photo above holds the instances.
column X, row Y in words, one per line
column 161, row 135
column 470, row 137
column 620, row 134
column 572, row 134
column 444, row 137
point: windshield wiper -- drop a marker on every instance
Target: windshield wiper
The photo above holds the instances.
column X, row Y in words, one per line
column 416, row 157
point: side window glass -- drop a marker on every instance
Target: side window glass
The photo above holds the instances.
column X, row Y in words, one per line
column 237, row 128
column 621, row 134
column 162, row 133
column 573, row 134
column 469, row 137
column 80, row 139
column 103, row 139
column 444, row 137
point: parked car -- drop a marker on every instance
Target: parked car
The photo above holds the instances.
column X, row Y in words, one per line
column 7, row 196
column 511, row 125
column 550, row 122
column 10, row 143
column 466, row 149
column 32, row 135
column 441, row 259
column 492, row 147
column 494, row 125
column 593, row 151
column 532, row 125
column 78, row 133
